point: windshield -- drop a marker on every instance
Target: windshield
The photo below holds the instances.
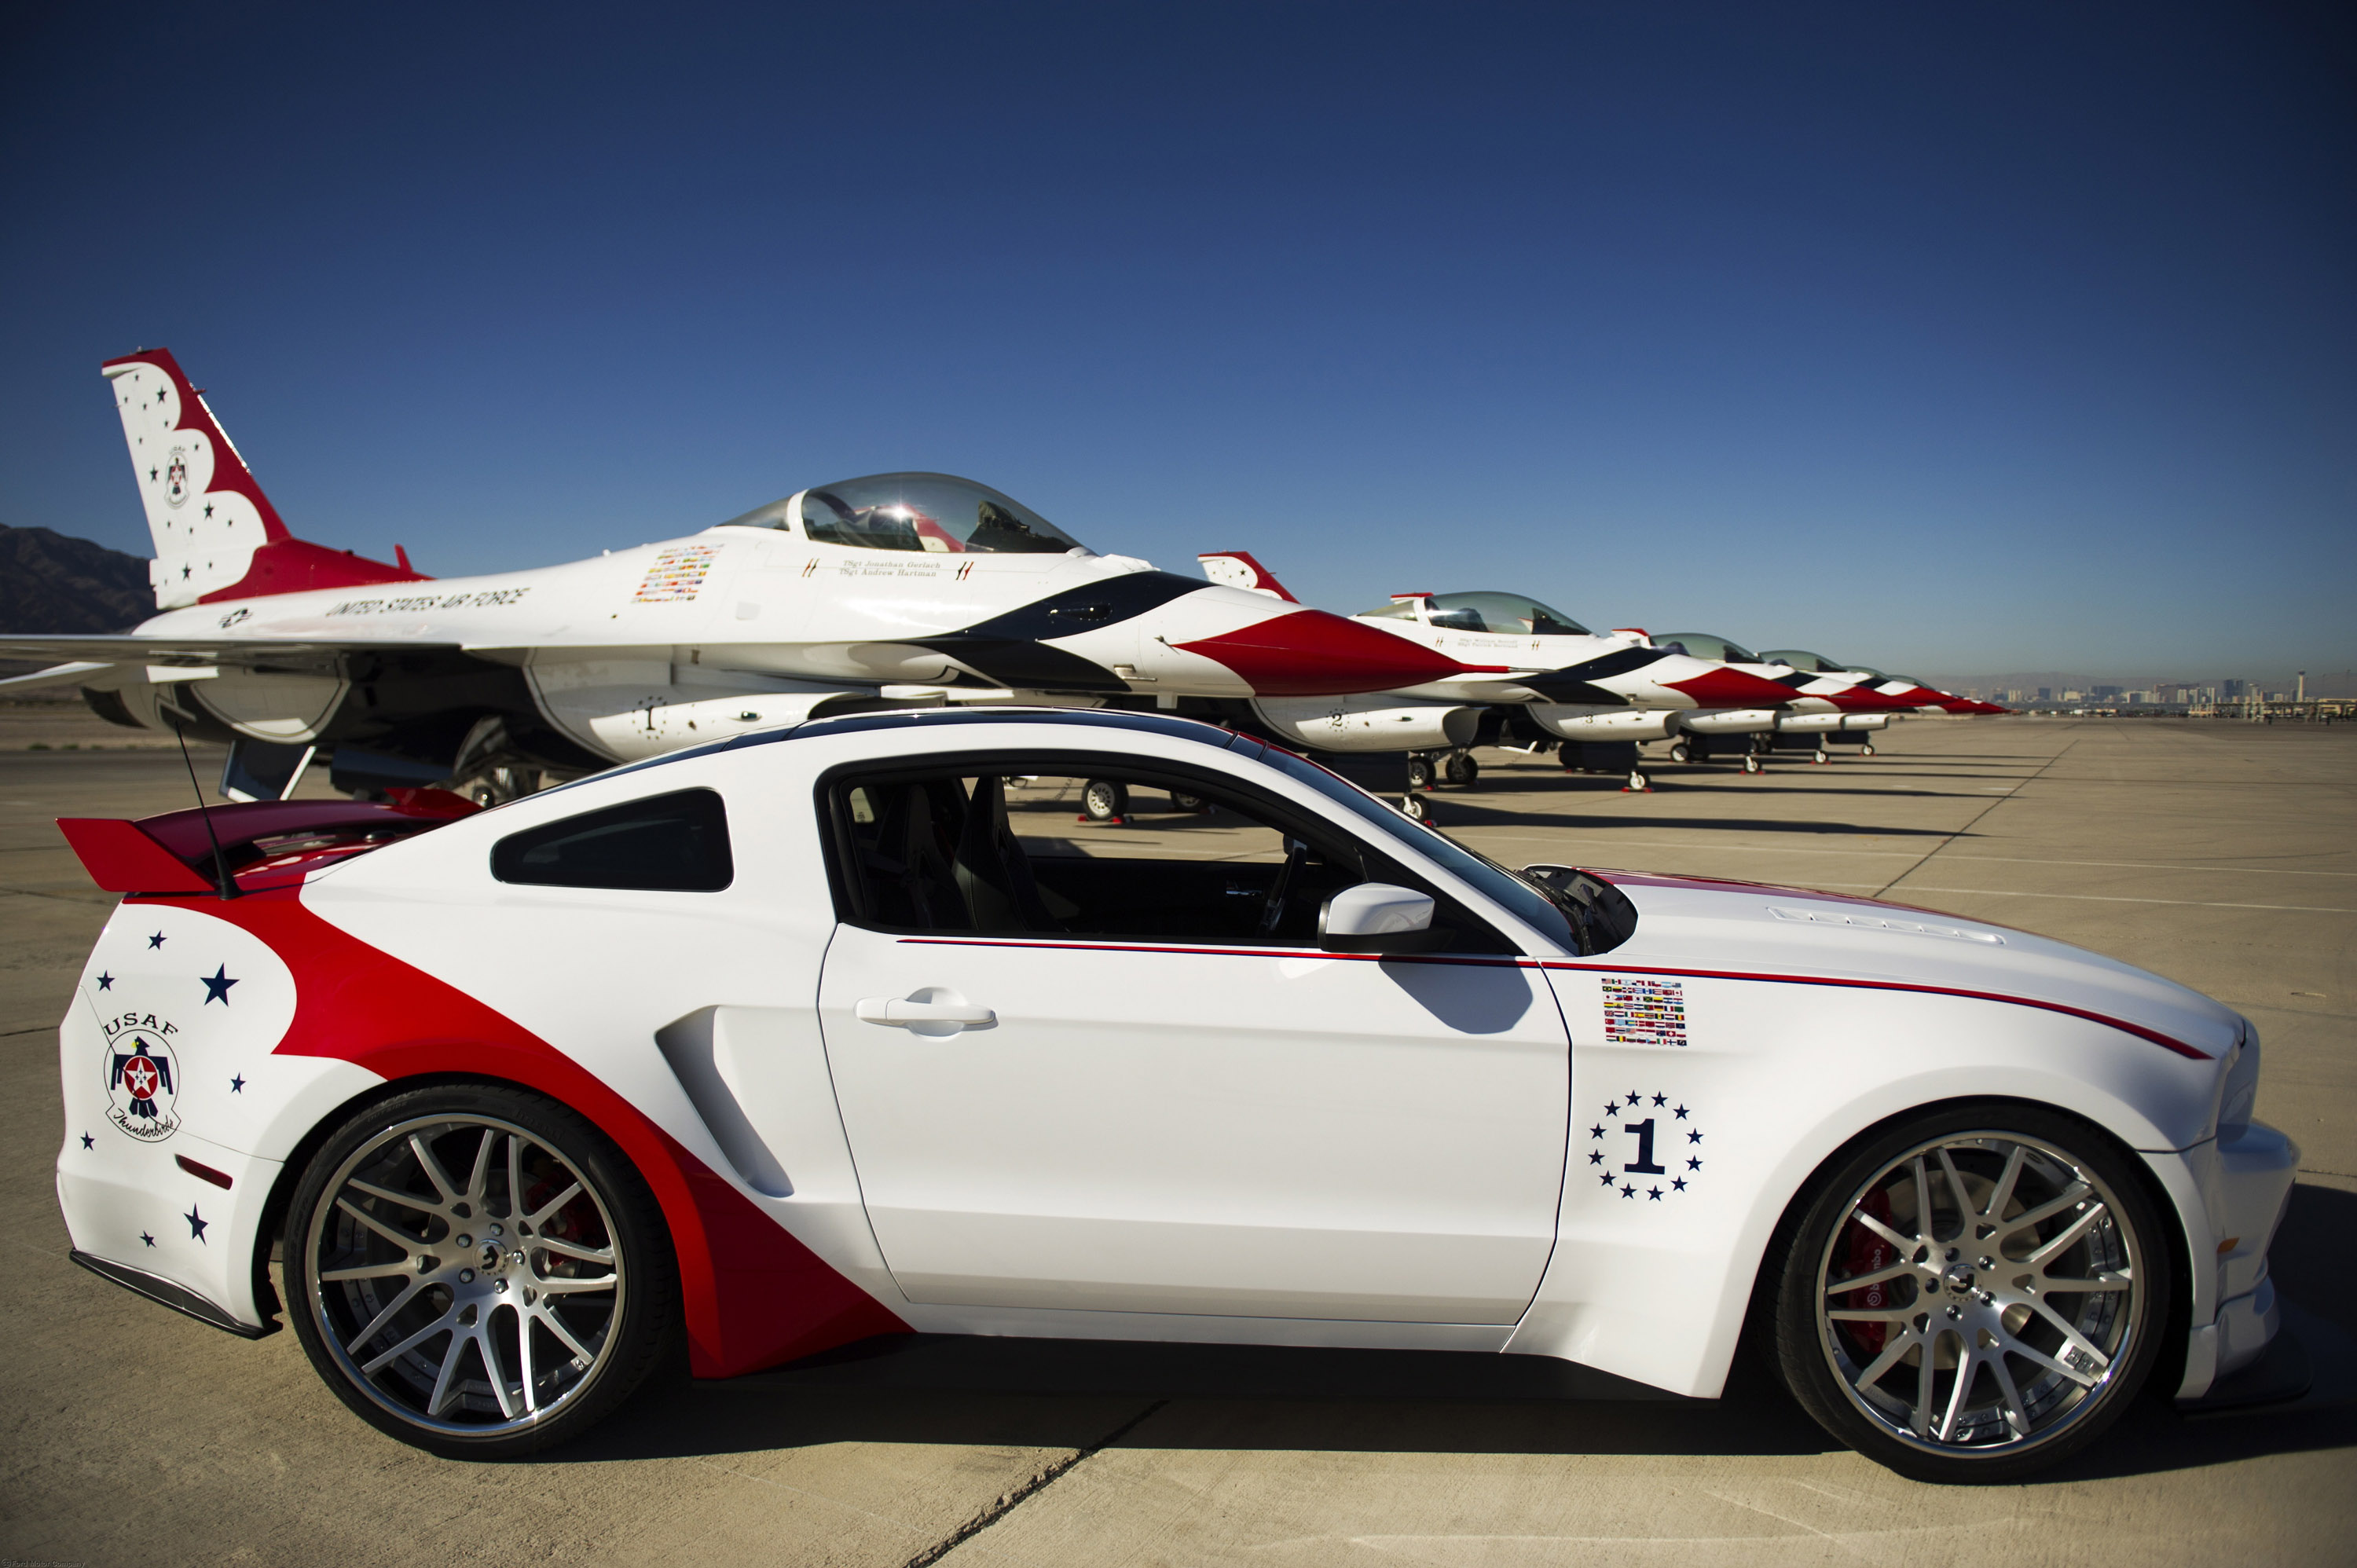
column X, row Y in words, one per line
column 1509, row 614
column 1534, row 907
column 1702, row 645
column 935, row 512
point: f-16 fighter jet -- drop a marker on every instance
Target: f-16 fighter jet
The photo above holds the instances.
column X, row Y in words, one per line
column 1907, row 693
column 891, row 590
column 1547, row 676
column 1833, row 708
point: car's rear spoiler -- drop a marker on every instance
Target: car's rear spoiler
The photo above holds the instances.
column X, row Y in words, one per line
column 174, row 852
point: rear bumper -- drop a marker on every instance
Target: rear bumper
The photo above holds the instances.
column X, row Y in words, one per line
column 179, row 1298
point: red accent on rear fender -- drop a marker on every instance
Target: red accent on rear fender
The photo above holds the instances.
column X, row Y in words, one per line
column 754, row 1295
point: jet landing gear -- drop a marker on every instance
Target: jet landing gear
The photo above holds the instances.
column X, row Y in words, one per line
column 1606, row 757
column 1430, row 770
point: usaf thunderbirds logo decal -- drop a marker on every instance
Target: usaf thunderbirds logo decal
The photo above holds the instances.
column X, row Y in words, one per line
column 176, row 477
column 141, row 1076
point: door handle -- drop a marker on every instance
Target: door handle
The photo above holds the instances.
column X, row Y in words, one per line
column 906, row 1012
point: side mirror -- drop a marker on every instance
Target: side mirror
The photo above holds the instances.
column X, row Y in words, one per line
column 1378, row 917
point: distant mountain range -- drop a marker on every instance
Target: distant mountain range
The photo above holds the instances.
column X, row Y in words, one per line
column 50, row 583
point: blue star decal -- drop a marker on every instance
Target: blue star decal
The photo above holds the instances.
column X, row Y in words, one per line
column 1679, row 1185
column 1660, row 1100
column 87, row 1142
column 1693, row 1137
column 146, row 1238
column 1694, row 1165
column 1654, row 1193
column 1596, row 1131
column 1627, row 1192
column 217, row 986
column 237, row 1084
column 196, row 1223
column 156, row 940
column 1681, row 1112
column 1606, row 1179
column 106, row 983
column 1594, row 1156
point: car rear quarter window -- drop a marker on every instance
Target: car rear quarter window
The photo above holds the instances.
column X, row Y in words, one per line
column 665, row 843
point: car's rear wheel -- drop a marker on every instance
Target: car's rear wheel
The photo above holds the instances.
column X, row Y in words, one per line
column 1977, row 1293
column 477, row 1271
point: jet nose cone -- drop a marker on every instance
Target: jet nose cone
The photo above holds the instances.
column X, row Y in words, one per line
column 1309, row 653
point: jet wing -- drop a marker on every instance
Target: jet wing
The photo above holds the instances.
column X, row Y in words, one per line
column 202, row 652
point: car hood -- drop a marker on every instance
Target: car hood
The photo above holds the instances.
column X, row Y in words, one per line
column 1755, row 930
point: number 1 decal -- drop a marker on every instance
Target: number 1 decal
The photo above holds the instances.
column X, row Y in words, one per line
column 1670, row 1130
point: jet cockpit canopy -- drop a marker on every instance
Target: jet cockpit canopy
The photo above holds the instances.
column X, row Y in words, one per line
column 1510, row 614
column 939, row 514
column 1817, row 664
column 1702, row 645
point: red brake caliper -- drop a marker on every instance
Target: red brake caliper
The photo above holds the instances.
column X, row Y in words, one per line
column 1863, row 1252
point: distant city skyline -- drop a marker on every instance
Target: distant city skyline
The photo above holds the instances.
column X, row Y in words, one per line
column 2008, row 338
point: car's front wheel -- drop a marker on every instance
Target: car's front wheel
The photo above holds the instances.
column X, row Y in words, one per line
column 477, row 1271
column 1975, row 1292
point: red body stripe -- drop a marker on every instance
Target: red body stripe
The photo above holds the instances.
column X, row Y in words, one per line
column 2179, row 1046
column 2138, row 1030
column 754, row 1295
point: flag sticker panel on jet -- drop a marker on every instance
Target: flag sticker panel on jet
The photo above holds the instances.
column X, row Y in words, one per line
column 1638, row 1012
column 676, row 574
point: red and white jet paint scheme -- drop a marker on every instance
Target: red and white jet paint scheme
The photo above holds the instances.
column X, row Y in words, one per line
column 897, row 588
column 1903, row 690
column 841, row 1029
column 1545, row 674
column 1836, row 709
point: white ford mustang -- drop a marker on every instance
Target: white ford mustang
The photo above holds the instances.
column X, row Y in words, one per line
column 860, row 1028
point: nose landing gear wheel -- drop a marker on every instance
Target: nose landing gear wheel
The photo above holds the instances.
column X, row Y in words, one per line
column 1680, row 752
column 1866, row 751
column 1638, row 782
column 1751, row 762
column 476, row 1271
column 1419, row 772
column 1417, row 809
column 1104, row 799
column 1823, row 756
column 1977, row 1293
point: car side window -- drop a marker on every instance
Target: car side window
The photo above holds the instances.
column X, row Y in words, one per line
column 675, row 842
column 1020, row 852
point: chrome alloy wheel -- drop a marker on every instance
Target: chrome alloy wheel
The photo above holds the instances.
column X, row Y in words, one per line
column 1981, row 1295
column 463, row 1273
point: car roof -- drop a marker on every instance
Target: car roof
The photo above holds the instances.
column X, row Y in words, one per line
column 1164, row 724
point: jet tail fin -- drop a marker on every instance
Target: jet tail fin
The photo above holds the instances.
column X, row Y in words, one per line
column 216, row 536
column 1237, row 569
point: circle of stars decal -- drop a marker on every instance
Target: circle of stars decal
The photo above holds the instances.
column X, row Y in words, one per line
column 1646, row 1148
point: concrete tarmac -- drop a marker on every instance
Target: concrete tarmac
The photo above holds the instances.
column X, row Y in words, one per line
column 2221, row 854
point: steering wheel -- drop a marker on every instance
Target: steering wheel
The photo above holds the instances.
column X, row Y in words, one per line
column 1272, row 910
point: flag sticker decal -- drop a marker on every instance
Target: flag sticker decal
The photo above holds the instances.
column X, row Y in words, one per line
column 1641, row 1012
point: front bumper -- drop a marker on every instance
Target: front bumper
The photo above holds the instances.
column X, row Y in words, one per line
column 2244, row 1183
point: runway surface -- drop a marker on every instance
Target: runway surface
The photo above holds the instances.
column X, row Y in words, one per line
column 2223, row 856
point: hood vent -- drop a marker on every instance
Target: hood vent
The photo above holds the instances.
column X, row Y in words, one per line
column 1864, row 923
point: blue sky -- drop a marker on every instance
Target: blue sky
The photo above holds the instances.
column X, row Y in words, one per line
column 1976, row 339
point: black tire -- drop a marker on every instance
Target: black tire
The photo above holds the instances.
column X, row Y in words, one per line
column 1103, row 799
column 1419, row 773
column 1461, row 769
column 1416, row 807
column 2021, row 1408
column 489, row 1306
column 1680, row 752
column 1188, row 803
